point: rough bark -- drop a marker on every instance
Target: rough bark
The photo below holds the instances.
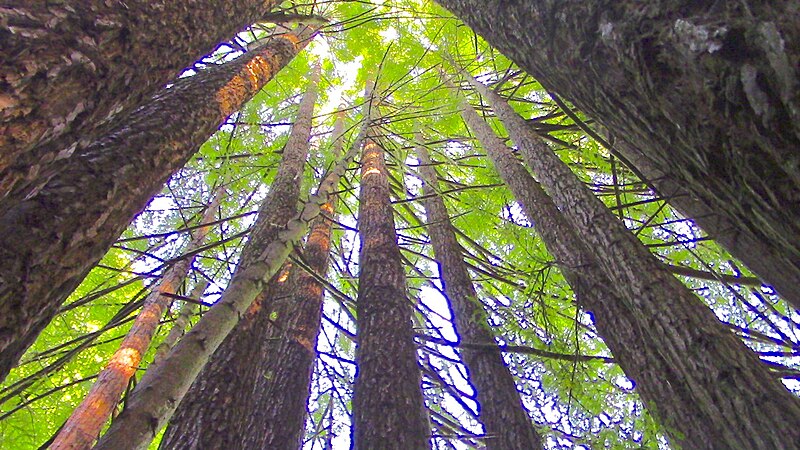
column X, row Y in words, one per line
column 773, row 268
column 707, row 90
column 50, row 241
column 160, row 390
column 506, row 422
column 87, row 420
column 741, row 404
column 67, row 68
column 388, row 409
column 224, row 398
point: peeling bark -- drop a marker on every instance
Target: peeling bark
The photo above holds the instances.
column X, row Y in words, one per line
column 707, row 90
column 68, row 68
column 50, row 241
column 388, row 409
column 738, row 403
column 506, row 423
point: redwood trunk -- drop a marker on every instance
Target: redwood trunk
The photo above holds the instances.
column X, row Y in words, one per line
column 707, row 90
column 388, row 409
column 771, row 267
column 87, row 420
column 260, row 373
column 726, row 382
column 162, row 387
column 69, row 68
column 49, row 242
column 506, row 423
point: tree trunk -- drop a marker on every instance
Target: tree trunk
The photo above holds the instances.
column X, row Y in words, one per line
column 725, row 379
column 49, row 242
column 506, row 423
column 162, row 388
column 771, row 267
column 388, row 409
column 178, row 329
column 87, row 420
column 707, row 90
column 251, row 360
column 68, row 68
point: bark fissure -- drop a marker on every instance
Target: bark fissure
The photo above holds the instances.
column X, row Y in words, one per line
column 50, row 241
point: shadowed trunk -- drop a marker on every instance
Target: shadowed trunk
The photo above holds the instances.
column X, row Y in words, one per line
column 772, row 268
column 724, row 379
column 707, row 90
column 388, row 409
column 505, row 420
column 68, row 68
column 163, row 387
column 87, row 420
column 49, row 242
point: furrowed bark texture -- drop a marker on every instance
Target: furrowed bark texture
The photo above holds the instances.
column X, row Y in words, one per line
column 388, row 410
column 707, row 90
column 634, row 350
column 161, row 389
column 505, row 420
column 280, row 395
column 49, row 242
column 87, row 420
column 67, row 68
column 771, row 267
column 743, row 404
column 216, row 409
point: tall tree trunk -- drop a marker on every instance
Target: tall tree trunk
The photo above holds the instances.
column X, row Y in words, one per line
column 388, row 409
column 68, row 68
column 187, row 309
column 506, row 422
column 87, row 420
column 162, row 388
column 244, row 363
column 708, row 92
column 725, row 379
column 773, row 268
column 49, row 242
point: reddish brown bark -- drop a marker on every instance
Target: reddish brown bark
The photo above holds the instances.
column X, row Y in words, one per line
column 506, row 422
column 87, row 420
column 49, row 242
column 68, row 68
column 720, row 379
column 260, row 372
column 388, row 410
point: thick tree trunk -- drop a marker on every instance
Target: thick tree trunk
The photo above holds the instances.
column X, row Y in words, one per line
column 68, row 68
column 50, row 241
column 771, row 267
column 249, row 360
column 162, row 388
column 388, row 409
column 506, row 422
column 87, row 420
column 725, row 379
column 707, row 90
